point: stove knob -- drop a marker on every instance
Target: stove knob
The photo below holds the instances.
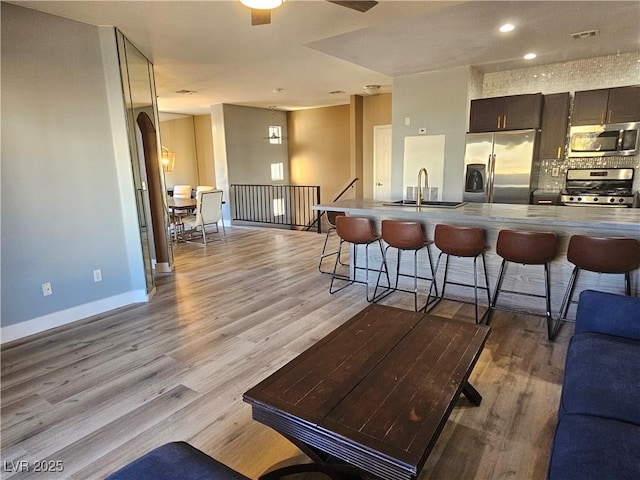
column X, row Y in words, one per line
column 571, row 199
column 612, row 200
column 621, row 200
column 595, row 199
column 579, row 199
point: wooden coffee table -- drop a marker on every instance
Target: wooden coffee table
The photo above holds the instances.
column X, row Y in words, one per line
column 373, row 395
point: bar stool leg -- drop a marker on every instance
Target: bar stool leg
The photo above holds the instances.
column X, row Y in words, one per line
column 627, row 283
column 475, row 288
column 335, row 266
column 494, row 301
column 434, row 284
column 552, row 330
column 383, row 266
column 389, row 289
column 324, row 249
column 415, row 279
column 444, row 284
column 386, row 269
column 486, row 279
column 568, row 296
column 323, row 255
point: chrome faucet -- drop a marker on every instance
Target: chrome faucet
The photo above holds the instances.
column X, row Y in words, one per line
column 419, row 196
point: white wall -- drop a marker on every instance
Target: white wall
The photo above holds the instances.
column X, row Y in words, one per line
column 62, row 212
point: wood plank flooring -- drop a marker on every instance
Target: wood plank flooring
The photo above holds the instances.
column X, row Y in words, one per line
column 101, row 392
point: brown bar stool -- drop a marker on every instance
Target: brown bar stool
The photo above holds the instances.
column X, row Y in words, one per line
column 404, row 236
column 602, row 255
column 461, row 242
column 526, row 248
column 331, row 219
column 357, row 231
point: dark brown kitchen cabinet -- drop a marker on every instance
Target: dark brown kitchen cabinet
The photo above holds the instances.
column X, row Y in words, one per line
column 515, row 112
column 607, row 105
column 555, row 122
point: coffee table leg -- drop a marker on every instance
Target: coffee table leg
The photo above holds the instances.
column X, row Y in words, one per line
column 471, row 393
column 322, row 463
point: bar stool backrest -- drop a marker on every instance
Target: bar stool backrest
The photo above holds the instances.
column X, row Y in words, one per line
column 604, row 254
column 355, row 229
column 331, row 217
column 459, row 241
column 403, row 235
column 527, row 248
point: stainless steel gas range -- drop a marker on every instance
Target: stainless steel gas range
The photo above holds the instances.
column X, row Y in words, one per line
column 598, row 187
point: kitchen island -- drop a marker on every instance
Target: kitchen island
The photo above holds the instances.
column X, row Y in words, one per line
column 564, row 221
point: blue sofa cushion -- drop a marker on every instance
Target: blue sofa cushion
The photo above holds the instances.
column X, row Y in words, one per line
column 602, row 377
column 593, row 448
column 610, row 313
column 175, row 461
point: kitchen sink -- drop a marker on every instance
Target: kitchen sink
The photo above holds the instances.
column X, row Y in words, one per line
column 425, row 203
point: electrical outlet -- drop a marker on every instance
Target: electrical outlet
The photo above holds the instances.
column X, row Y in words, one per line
column 97, row 275
column 555, row 171
column 46, row 289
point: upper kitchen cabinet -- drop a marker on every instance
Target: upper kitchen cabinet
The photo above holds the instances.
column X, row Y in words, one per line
column 555, row 122
column 515, row 112
column 608, row 105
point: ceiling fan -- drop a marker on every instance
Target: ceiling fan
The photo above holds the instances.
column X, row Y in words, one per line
column 261, row 9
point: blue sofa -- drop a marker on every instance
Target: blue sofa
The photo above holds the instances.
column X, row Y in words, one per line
column 176, row 461
column 598, row 431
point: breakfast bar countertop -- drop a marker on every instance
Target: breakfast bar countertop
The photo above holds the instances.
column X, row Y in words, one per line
column 559, row 216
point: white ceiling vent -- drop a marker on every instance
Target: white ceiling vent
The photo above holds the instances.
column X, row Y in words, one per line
column 587, row 34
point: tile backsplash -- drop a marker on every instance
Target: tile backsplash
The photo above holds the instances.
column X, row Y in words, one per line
column 550, row 182
column 587, row 74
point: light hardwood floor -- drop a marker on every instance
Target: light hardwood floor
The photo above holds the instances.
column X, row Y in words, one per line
column 103, row 391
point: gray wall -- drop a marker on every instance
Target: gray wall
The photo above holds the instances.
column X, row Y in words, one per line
column 62, row 213
column 249, row 154
column 242, row 153
column 439, row 102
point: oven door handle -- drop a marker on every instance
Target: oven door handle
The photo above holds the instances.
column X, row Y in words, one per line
column 605, row 205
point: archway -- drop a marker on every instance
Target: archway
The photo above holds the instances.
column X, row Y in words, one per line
column 157, row 199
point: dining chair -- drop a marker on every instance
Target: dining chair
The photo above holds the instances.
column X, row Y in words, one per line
column 208, row 212
column 204, row 188
column 182, row 191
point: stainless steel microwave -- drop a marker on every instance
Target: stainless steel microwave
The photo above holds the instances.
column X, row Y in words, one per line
column 604, row 140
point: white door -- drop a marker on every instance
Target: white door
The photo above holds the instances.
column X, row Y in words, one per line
column 382, row 162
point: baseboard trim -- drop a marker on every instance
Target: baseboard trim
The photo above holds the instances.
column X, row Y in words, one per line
column 70, row 315
column 163, row 267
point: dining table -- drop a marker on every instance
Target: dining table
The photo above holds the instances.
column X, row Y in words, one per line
column 178, row 208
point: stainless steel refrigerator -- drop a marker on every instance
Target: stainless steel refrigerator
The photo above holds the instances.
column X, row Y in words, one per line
column 499, row 167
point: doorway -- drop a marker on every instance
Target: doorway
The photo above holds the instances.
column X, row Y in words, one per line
column 382, row 162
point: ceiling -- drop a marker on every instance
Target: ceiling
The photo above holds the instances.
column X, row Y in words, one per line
column 312, row 48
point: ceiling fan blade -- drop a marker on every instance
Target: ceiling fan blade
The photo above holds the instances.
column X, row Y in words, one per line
column 260, row 17
column 359, row 5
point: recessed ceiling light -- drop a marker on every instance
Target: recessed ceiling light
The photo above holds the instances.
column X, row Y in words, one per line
column 337, row 92
column 507, row 27
column 530, row 56
column 186, row 92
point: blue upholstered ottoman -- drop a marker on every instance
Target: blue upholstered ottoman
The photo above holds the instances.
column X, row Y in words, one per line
column 175, row 461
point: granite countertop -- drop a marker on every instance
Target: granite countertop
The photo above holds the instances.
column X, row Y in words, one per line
column 607, row 218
